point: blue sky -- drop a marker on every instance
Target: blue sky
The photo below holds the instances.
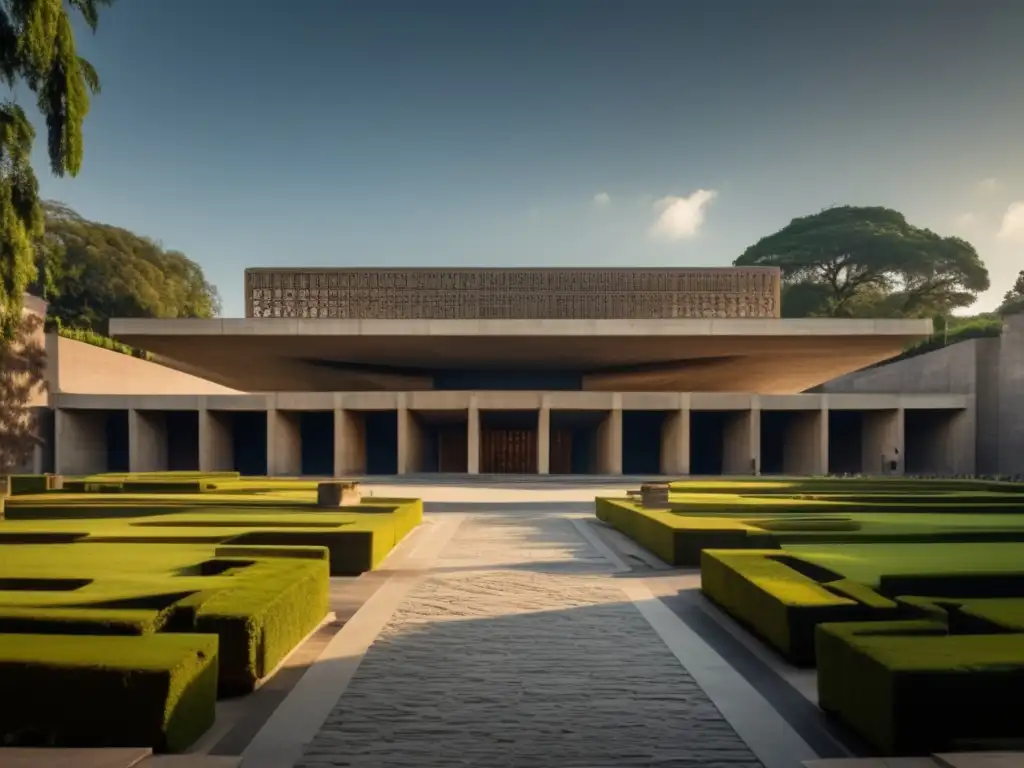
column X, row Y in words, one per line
column 558, row 133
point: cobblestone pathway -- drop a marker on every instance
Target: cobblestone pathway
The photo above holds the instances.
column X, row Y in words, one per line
column 519, row 649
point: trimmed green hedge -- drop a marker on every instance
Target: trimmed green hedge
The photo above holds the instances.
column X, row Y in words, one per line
column 358, row 538
column 261, row 620
column 72, row 691
column 679, row 537
column 260, row 606
column 140, row 574
column 910, row 688
column 676, row 539
column 761, row 590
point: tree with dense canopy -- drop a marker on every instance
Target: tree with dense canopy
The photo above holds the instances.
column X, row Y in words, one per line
column 37, row 52
column 868, row 262
column 91, row 272
column 1013, row 299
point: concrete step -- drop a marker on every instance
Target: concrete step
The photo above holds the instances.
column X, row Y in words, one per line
column 191, row 761
column 30, row 757
column 946, row 760
column 873, row 762
column 981, row 760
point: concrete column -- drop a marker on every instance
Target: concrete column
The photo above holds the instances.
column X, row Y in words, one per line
column 544, row 436
column 823, row 435
column 961, row 441
column 742, row 443
column 473, row 437
column 216, row 442
column 882, row 441
column 675, row 440
column 349, row 443
column 410, row 442
column 80, row 442
column 284, row 444
column 805, row 451
column 609, row 440
column 147, row 441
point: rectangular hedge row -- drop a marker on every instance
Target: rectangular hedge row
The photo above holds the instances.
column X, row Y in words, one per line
column 80, row 691
column 761, row 589
column 260, row 605
column 679, row 537
column 358, row 539
column 912, row 688
column 919, row 663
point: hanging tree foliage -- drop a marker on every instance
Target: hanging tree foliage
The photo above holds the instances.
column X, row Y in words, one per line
column 37, row 52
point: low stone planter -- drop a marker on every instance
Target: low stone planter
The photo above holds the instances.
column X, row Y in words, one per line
column 337, row 493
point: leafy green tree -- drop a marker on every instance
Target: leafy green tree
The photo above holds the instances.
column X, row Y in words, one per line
column 37, row 52
column 90, row 272
column 1013, row 299
column 868, row 262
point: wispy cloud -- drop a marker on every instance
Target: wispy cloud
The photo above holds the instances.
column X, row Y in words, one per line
column 990, row 184
column 966, row 221
column 1012, row 227
column 681, row 217
column 602, row 199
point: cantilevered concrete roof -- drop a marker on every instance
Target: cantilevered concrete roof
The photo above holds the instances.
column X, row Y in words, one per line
column 766, row 356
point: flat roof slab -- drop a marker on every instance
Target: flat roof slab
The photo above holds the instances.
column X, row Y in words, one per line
column 766, row 356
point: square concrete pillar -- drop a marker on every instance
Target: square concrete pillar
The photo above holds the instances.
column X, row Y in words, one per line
column 473, row 437
column 609, row 441
column 80, row 442
column 805, row 450
column 349, row 443
column 544, row 436
column 147, row 441
column 675, row 441
column 882, row 442
column 216, row 442
column 742, row 443
column 961, row 442
column 284, row 444
column 410, row 441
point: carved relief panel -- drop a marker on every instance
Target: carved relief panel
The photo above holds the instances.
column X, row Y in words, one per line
column 582, row 294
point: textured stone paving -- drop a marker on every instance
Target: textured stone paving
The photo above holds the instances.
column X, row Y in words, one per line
column 519, row 649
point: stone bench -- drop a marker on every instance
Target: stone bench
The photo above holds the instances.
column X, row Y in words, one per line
column 331, row 494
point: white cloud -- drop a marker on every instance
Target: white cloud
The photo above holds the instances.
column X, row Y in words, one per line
column 991, row 184
column 965, row 221
column 602, row 199
column 681, row 217
column 1012, row 228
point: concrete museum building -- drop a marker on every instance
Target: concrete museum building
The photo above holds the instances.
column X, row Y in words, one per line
column 523, row 371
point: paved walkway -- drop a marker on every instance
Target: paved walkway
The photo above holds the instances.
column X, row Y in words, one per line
column 520, row 648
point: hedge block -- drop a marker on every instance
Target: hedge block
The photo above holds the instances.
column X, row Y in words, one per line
column 762, row 590
column 909, row 688
column 262, row 619
column 78, row 691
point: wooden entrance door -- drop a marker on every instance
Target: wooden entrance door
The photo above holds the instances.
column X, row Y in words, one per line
column 508, row 451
